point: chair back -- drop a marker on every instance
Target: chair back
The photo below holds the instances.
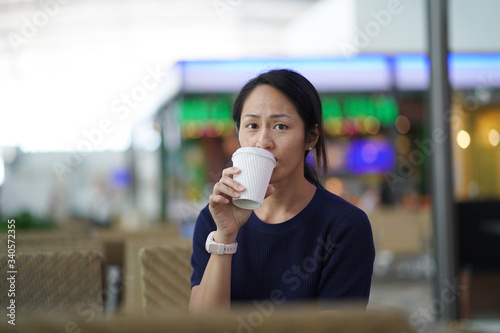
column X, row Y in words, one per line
column 47, row 283
column 166, row 272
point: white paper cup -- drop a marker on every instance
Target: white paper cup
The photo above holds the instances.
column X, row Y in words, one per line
column 256, row 165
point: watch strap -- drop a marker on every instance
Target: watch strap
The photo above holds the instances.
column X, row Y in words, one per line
column 219, row 248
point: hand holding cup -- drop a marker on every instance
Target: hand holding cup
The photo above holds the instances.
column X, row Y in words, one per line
column 242, row 188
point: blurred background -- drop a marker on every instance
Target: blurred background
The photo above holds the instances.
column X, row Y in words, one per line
column 115, row 123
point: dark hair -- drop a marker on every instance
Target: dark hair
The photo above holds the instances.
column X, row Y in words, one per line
column 307, row 102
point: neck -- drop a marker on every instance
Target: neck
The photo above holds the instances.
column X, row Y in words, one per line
column 288, row 199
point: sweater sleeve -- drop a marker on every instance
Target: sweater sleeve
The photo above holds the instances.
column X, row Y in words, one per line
column 199, row 259
column 348, row 266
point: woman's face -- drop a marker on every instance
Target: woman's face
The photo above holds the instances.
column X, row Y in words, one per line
column 270, row 121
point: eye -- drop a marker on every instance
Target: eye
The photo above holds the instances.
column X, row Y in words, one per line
column 252, row 126
column 281, row 127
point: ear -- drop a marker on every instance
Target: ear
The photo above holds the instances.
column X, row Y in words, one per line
column 312, row 137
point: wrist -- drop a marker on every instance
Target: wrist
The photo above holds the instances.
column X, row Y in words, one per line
column 221, row 237
column 213, row 246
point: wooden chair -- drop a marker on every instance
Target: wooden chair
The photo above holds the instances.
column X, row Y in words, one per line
column 131, row 275
column 166, row 272
column 54, row 282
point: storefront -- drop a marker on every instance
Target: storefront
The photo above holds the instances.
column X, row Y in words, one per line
column 374, row 116
column 476, row 137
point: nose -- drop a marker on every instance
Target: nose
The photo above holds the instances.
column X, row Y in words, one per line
column 265, row 140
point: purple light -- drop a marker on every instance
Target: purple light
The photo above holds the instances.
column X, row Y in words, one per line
column 121, row 178
column 369, row 156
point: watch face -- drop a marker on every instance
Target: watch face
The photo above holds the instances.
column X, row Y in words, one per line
column 213, row 248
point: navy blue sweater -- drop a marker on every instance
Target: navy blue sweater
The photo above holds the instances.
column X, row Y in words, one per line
column 324, row 253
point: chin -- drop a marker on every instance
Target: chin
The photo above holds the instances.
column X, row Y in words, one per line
column 274, row 179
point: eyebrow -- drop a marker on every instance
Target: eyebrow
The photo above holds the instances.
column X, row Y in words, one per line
column 279, row 115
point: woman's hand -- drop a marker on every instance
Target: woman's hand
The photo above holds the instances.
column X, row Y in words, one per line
column 227, row 216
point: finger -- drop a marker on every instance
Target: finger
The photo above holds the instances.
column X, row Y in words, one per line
column 217, row 199
column 229, row 172
column 221, row 188
column 269, row 191
column 230, row 182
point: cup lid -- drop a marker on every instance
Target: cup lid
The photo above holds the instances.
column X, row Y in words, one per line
column 257, row 151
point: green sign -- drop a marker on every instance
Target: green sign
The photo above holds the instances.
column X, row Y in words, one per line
column 383, row 108
column 203, row 109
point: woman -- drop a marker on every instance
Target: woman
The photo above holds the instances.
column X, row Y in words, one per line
column 304, row 243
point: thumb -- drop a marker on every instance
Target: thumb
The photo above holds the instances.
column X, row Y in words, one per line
column 270, row 190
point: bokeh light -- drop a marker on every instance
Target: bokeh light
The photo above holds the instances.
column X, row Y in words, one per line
column 214, row 128
column 494, row 137
column 403, row 144
column 463, row 139
column 334, row 185
column 372, row 125
column 194, row 129
column 403, row 124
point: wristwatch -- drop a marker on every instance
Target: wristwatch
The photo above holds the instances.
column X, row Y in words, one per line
column 213, row 247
